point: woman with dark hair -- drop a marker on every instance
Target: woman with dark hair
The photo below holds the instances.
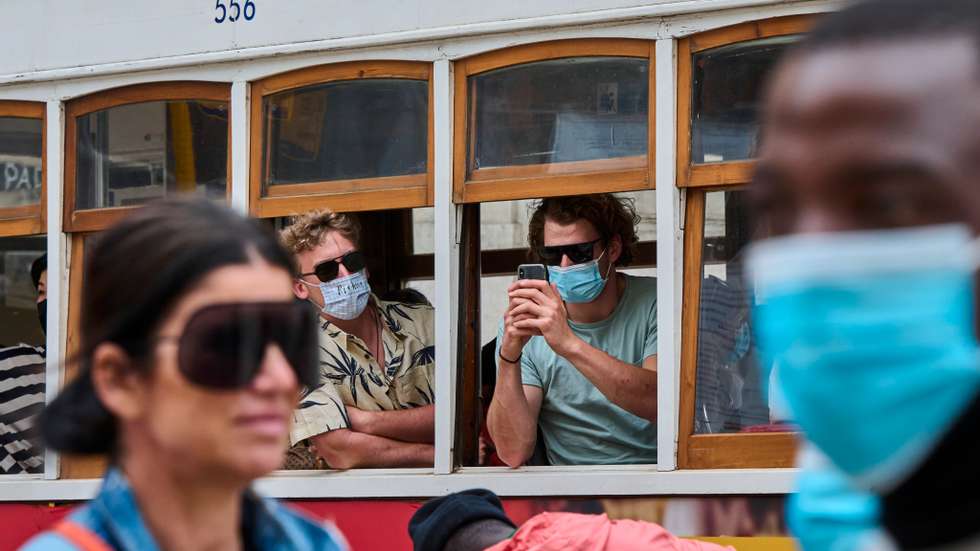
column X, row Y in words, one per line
column 193, row 353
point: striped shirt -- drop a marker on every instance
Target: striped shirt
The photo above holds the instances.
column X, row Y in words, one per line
column 21, row 400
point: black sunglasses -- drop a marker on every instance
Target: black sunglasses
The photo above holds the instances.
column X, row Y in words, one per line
column 223, row 345
column 576, row 252
column 327, row 270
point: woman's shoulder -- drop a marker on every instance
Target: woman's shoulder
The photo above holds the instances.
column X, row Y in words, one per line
column 74, row 533
column 49, row 541
column 304, row 532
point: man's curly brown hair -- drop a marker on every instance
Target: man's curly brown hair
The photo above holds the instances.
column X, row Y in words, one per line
column 306, row 231
column 608, row 214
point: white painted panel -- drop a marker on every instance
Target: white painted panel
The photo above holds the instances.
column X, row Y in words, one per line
column 116, row 35
column 54, row 34
column 527, row 481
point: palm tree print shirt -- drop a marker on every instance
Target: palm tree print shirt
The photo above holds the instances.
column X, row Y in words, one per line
column 351, row 376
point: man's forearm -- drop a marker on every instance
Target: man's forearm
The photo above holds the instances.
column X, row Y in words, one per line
column 347, row 449
column 509, row 419
column 407, row 425
column 626, row 385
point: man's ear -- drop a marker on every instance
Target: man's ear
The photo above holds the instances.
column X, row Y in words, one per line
column 118, row 385
column 300, row 290
column 615, row 249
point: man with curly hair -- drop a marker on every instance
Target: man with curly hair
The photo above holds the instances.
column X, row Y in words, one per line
column 577, row 355
column 375, row 404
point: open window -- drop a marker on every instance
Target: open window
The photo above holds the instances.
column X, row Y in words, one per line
column 730, row 416
column 23, row 282
column 130, row 145
column 351, row 136
column 554, row 118
column 494, row 243
column 22, row 189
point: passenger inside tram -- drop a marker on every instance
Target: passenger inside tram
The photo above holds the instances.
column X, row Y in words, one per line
column 22, row 366
column 867, row 182
column 576, row 353
column 374, row 406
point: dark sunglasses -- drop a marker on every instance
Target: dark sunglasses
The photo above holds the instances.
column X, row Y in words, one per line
column 327, row 270
column 576, row 252
column 223, row 345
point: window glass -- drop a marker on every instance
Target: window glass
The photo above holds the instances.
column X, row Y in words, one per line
column 572, row 109
column 21, row 356
column 504, row 246
column 727, row 85
column 347, row 130
column 134, row 153
column 20, row 161
column 734, row 392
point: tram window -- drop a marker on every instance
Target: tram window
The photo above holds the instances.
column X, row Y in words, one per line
column 346, row 130
column 22, row 367
column 726, row 89
column 355, row 386
column 130, row 154
column 20, row 161
column 504, row 245
column 549, row 118
column 560, row 110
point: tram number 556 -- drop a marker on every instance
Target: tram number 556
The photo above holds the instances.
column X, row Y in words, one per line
column 234, row 11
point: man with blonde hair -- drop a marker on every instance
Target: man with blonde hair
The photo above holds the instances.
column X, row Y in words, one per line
column 374, row 406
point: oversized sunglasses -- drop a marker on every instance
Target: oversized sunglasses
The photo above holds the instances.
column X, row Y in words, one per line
column 327, row 270
column 223, row 345
column 576, row 252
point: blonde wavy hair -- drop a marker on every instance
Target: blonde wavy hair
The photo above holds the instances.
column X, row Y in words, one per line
column 306, row 231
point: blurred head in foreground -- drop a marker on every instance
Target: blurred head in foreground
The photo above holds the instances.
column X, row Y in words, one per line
column 867, row 191
column 187, row 365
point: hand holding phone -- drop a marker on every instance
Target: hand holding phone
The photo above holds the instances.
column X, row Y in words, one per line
column 532, row 271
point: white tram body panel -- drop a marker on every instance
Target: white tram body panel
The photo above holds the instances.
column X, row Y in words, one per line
column 57, row 51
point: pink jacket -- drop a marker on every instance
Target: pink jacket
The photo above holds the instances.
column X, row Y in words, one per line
column 575, row 532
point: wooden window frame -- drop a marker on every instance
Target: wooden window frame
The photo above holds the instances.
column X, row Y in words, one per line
column 550, row 179
column 725, row 172
column 27, row 219
column 74, row 467
column 713, row 451
column 100, row 218
column 716, row 451
column 408, row 191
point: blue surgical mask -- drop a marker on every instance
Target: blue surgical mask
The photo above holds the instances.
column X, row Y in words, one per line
column 872, row 334
column 345, row 297
column 581, row 282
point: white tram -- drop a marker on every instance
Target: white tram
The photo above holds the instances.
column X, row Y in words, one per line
column 439, row 121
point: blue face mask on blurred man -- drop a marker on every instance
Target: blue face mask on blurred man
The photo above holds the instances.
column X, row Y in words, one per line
column 873, row 336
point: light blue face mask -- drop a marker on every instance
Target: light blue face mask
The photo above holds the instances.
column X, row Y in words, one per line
column 580, row 282
column 345, row 297
column 872, row 334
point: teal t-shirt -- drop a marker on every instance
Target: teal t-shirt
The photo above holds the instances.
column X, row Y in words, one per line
column 579, row 424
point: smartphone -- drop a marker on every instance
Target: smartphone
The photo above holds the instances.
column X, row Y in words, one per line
column 532, row 271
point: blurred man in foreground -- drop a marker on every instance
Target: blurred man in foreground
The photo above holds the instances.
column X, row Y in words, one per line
column 867, row 186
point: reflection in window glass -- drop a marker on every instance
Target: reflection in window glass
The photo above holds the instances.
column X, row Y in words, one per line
column 726, row 90
column 733, row 391
column 347, row 130
column 131, row 154
column 21, row 356
column 20, row 161
column 573, row 109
